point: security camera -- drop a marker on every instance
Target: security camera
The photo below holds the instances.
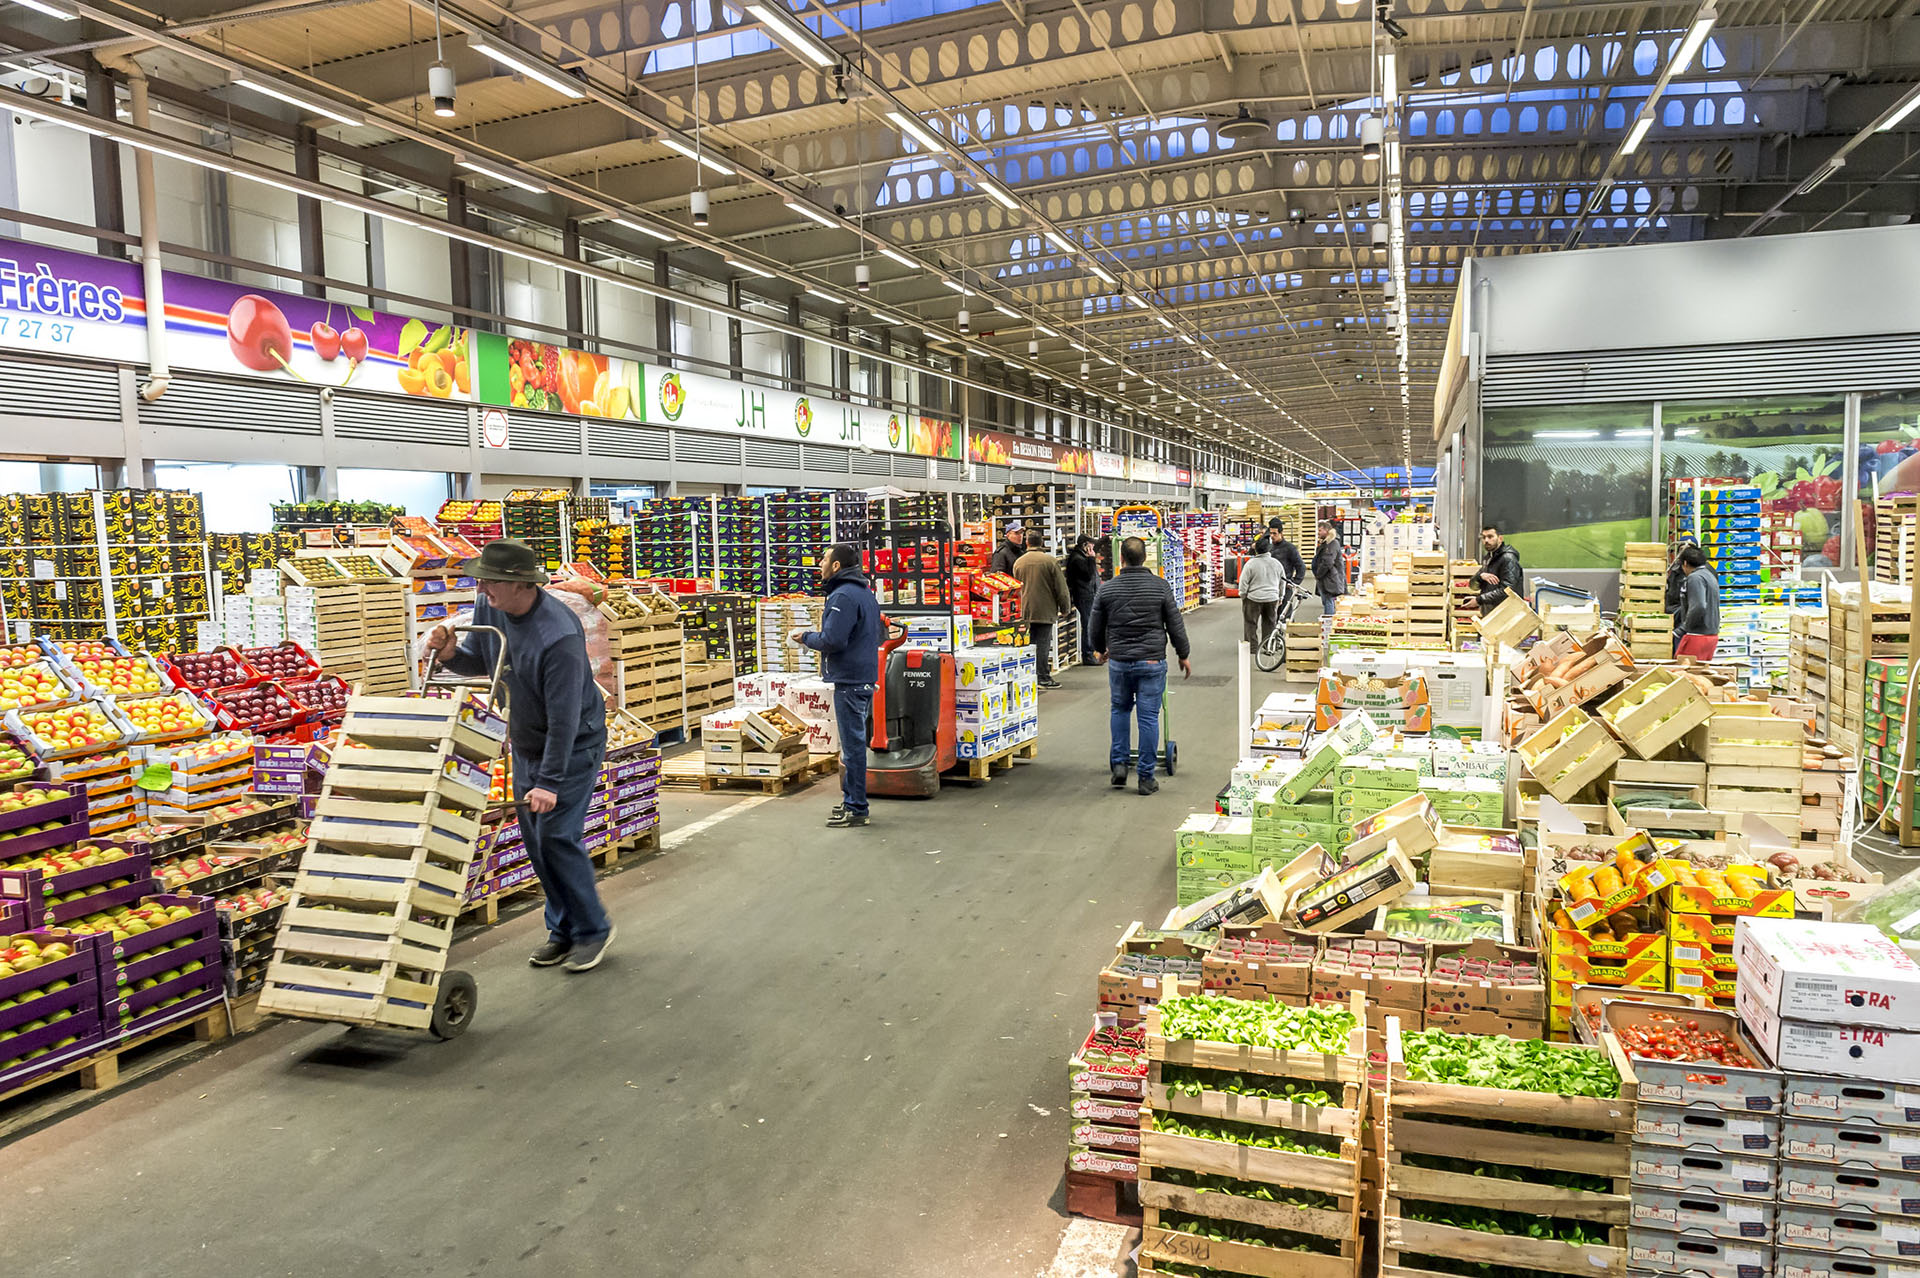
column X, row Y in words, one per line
column 440, row 86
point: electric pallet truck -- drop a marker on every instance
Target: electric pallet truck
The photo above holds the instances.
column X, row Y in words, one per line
column 915, row 737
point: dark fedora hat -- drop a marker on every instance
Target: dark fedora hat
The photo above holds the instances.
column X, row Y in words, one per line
column 508, row 561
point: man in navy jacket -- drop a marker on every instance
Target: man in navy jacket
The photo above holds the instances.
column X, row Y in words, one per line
column 848, row 641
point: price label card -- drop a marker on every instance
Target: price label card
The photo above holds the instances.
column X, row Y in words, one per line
column 43, row 570
column 156, row 777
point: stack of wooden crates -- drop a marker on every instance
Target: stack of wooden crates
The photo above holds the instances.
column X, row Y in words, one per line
column 1427, row 600
column 1464, row 589
column 643, row 630
column 1644, row 622
column 1860, row 626
column 365, row 936
column 1896, row 523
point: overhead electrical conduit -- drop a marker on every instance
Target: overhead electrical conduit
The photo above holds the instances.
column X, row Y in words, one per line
column 160, row 373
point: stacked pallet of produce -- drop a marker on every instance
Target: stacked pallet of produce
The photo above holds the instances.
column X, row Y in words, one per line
column 1645, row 625
column 799, row 527
column 646, row 641
column 1504, row 1153
column 1754, row 764
column 1886, row 792
column 673, row 537
column 1306, row 647
column 478, row 520
column 1862, row 625
column 775, row 620
column 1807, row 671
column 1250, row 1138
column 727, row 622
column 543, row 519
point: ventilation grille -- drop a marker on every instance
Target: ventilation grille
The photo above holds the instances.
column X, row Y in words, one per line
column 543, row 433
column 76, row 392
column 943, row 468
column 261, row 407
column 994, row 474
column 1703, row 372
column 827, row 461
column 773, row 452
column 400, row 419
column 870, row 463
column 703, row 449
column 629, row 440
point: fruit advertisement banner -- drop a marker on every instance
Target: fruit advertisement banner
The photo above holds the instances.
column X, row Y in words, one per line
column 996, row 448
column 58, row 303
column 1153, row 472
column 515, row 373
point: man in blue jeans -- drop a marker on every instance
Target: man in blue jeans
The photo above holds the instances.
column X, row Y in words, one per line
column 848, row 641
column 558, row 723
column 1134, row 617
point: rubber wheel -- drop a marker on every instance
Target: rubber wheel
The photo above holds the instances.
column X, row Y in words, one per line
column 1173, row 757
column 453, row 1010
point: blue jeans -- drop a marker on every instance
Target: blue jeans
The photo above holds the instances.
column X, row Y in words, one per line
column 853, row 712
column 1086, row 634
column 1136, row 683
column 556, row 846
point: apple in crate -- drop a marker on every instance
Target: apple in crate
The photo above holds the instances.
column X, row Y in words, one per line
column 29, row 685
column 165, row 716
column 71, row 729
column 258, row 705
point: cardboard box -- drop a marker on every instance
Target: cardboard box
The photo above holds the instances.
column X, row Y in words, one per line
column 1835, row 973
column 1864, row 1051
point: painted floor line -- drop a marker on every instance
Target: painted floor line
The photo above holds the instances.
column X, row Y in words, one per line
column 680, row 834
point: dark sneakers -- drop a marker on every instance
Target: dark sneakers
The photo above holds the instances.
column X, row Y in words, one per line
column 550, row 954
column 587, row 957
column 1119, row 776
column 1051, row 684
column 845, row 820
column 1149, row 786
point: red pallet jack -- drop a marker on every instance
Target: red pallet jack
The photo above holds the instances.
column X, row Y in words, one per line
column 915, row 738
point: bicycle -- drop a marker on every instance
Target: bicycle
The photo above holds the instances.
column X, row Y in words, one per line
column 1271, row 654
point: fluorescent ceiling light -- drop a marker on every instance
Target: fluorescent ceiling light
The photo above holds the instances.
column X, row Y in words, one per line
column 998, row 195
column 918, row 132
column 888, row 317
column 961, row 289
column 1004, row 311
column 1061, row 242
column 1078, row 347
column 52, row 9
column 288, row 187
column 808, row 211
column 644, row 229
column 503, row 175
column 526, row 66
column 1566, row 434
column 1101, row 273
column 1163, row 321
column 825, row 296
column 344, row 115
column 901, row 258
column 1904, row 110
column 1637, row 134
column 748, row 267
column 1188, row 339
column 1695, row 37
column 793, row 37
column 1109, row 363
column 675, row 144
column 1049, row 332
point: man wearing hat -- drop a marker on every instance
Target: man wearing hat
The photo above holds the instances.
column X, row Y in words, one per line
column 1011, row 548
column 558, row 726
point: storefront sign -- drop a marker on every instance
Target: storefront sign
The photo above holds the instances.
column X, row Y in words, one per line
column 1152, row 472
column 1110, row 465
column 997, row 448
column 53, row 302
column 716, row 403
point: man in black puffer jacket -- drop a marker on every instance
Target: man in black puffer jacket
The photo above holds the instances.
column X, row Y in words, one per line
column 1134, row 617
column 1500, row 573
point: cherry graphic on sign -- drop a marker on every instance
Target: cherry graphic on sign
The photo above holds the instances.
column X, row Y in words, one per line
column 353, row 343
column 259, row 335
column 326, row 341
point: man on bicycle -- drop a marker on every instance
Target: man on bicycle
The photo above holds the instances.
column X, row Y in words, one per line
column 1260, row 579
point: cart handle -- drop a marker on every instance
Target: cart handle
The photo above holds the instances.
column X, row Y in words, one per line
column 434, row 677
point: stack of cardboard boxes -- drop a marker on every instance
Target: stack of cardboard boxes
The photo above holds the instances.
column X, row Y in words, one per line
column 997, row 699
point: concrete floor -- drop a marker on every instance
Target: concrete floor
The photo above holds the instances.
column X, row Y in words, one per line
column 862, row 1033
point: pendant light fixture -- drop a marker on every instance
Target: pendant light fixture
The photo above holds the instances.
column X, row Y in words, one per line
column 698, row 202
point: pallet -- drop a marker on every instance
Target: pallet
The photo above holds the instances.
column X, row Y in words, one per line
column 981, row 769
column 1175, row 1247
column 817, row 766
column 486, row 912
column 102, row 1069
column 1102, row 1198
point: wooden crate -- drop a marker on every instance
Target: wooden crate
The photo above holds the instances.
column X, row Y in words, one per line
column 1655, row 711
column 1569, row 752
column 1516, row 1137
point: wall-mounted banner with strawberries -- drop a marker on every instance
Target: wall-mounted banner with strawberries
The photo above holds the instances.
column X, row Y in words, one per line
column 60, row 303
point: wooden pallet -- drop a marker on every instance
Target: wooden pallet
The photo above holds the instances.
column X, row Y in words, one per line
column 486, row 912
column 1102, row 1198
column 102, row 1069
column 817, row 766
column 1175, row 1247
column 982, row 769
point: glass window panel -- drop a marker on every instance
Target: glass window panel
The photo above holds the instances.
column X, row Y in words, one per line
column 1567, row 486
column 1787, row 445
column 1889, row 457
column 239, row 496
column 420, row 491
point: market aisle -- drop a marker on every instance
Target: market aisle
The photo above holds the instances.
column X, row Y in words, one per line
column 832, row 1053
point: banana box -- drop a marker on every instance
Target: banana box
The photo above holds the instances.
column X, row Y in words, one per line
column 1029, row 728
column 978, row 741
column 982, row 706
column 976, row 668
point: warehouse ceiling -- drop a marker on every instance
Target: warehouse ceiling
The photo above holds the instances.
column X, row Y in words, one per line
column 1252, row 211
